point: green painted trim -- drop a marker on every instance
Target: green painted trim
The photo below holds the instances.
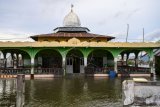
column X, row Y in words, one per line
column 86, row 51
column 115, row 51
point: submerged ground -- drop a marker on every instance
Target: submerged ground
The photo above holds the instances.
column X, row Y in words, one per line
column 66, row 92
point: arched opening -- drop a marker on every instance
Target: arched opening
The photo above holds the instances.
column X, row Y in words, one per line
column 74, row 62
column 48, row 58
column 133, row 62
column 143, row 59
column 100, row 61
column 15, row 58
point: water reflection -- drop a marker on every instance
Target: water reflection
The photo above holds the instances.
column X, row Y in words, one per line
column 7, row 92
column 64, row 92
column 73, row 92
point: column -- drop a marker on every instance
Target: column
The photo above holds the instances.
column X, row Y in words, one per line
column 17, row 60
column 5, row 59
column 127, row 59
column 64, row 64
column 136, row 59
column 85, row 64
column 151, row 65
column 122, row 55
column 20, row 90
column 32, row 67
column 85, row 61
column 12, row 59
column 115, row 64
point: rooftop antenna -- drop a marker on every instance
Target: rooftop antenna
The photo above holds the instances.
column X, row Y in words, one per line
column 143, row 34
column 127, row 32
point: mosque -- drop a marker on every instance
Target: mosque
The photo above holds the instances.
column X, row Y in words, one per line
column 72, row 49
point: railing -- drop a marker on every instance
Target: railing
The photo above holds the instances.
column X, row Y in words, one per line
column 12, row 71
column 121, row 70
column 97, row 70
column 133, row 70
column 56, row 71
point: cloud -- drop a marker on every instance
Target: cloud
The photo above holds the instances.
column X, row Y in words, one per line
column 13, row 38
column 13, row 35
column 102, row 17
column 119, row 36
column 153, row 36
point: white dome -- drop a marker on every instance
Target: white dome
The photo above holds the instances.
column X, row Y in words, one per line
column 71, row 20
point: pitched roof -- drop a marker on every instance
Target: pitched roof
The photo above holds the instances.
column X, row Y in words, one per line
column 72, row 34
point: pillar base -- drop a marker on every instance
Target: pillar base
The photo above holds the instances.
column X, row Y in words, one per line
column 32, row 76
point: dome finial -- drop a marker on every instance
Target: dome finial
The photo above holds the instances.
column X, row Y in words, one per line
column 72, row 7
column 71, row 19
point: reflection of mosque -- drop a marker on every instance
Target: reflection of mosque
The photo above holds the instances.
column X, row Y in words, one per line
column 7, row 92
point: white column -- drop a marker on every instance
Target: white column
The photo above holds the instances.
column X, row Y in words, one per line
column 32, row 65
column 151, row 65
column 85, row 61
column 115, row 64
column 127, row 59
column 64, row 65
column 136, row 60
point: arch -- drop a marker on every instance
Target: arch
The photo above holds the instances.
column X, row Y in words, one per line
column 48, row 58
column 14, row 63
column 16, row 50
column 131, row 64
column 134, row 53
column 74, row 61
column 100, row 58
column 42, row 49
column 143, row 59
column 75, row 51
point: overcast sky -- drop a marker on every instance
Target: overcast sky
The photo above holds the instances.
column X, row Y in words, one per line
column 20, row 19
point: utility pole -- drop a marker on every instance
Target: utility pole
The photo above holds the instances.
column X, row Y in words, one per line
column 127, row 32
column 143, row 34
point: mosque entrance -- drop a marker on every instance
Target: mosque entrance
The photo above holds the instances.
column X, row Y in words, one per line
column 76, row 65
column 74, row 62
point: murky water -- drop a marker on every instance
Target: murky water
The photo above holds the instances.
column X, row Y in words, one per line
column 7, row 92
column 68, row 92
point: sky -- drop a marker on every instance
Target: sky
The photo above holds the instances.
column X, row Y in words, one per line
column 20, row 19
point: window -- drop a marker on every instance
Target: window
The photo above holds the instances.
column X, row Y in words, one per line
column 82, row 61
column 69, row 61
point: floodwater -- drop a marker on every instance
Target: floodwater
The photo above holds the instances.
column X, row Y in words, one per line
column 65, row 92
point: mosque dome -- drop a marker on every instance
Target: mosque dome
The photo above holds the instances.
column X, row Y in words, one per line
column 71, row 20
